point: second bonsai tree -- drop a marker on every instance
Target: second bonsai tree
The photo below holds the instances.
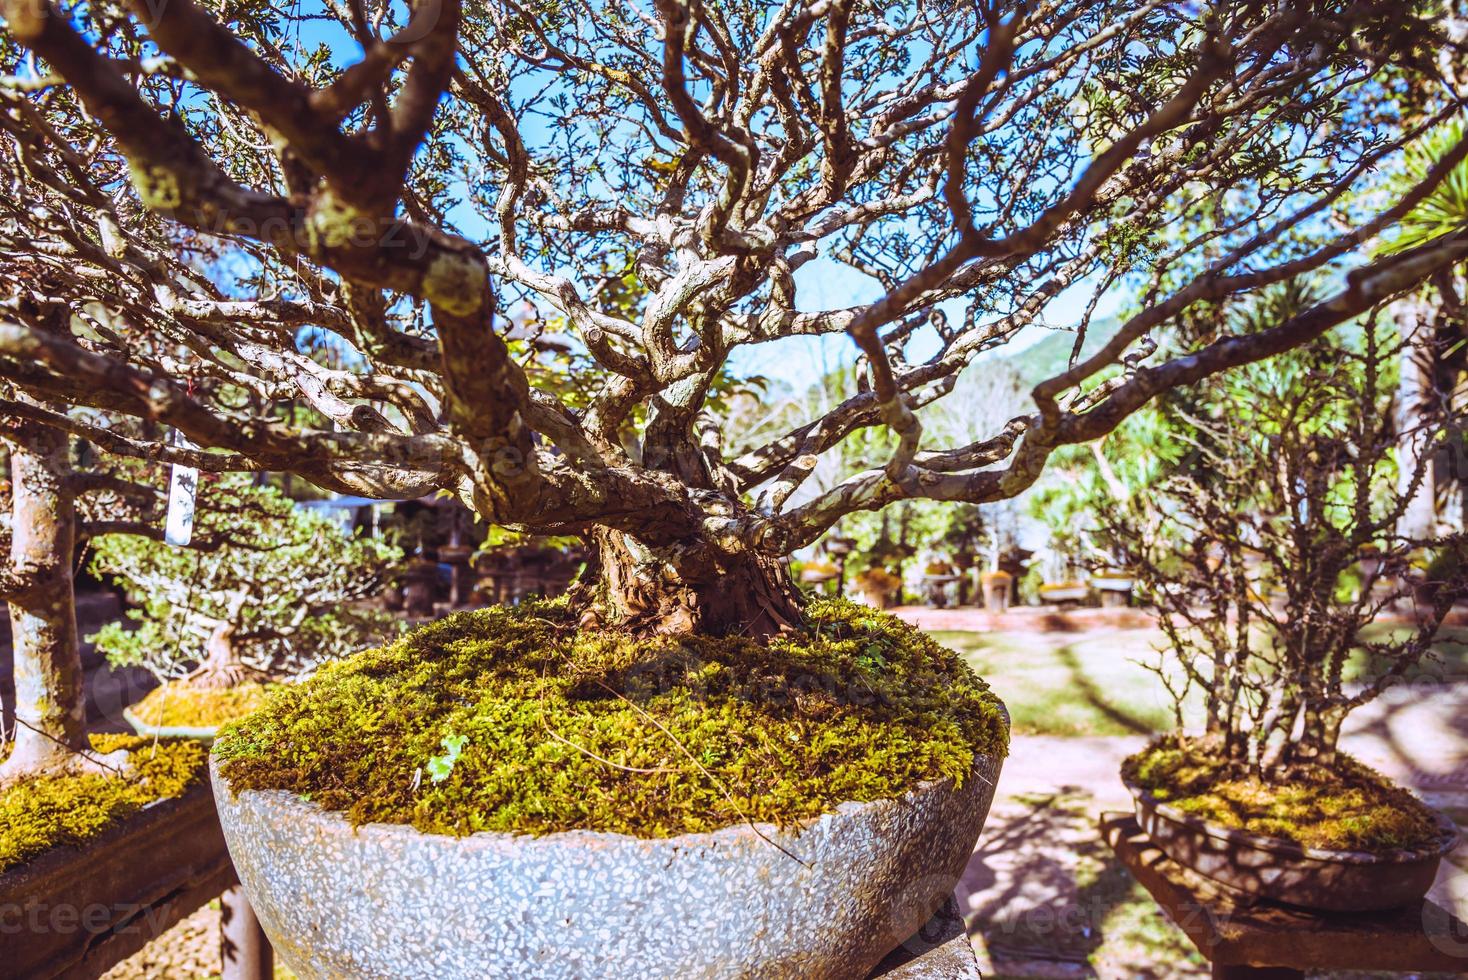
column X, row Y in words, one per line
column 1252, row 550
column 284, row 592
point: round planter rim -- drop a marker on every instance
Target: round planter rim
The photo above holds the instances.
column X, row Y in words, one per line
column 762, row 830
column 148, row 730
column 1448, row 831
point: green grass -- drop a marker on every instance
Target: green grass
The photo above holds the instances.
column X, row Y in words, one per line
column 1448, row 660
column 1069, row 683
column 1095, row 683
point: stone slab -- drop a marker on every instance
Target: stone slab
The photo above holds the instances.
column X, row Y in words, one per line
column 940, row 950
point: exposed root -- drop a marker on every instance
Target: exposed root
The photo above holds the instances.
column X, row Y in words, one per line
column 222, row 667
column 686, row 591
column 60, row 761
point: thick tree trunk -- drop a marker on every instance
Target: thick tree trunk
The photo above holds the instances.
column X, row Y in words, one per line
column 49, row 703
column 1319, row 736
column 699, row 588
column 222, row 667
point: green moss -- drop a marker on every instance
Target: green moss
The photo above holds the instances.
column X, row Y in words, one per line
column 69, row 810
column 565, row 730
column 1348, row 807
column 178, row 705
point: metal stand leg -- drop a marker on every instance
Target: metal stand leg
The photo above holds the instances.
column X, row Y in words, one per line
column 244, row 952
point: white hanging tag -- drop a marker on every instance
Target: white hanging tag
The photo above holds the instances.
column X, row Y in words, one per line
column 183, row 490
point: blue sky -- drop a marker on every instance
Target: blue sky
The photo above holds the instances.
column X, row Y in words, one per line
column 825, row 284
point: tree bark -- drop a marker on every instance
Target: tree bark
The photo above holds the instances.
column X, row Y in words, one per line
column 698, row 587
column 222, row 667
column 1319, row 736
column 50, row 706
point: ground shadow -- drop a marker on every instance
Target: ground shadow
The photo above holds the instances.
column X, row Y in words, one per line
column 1044, row 893
column 1092, row 695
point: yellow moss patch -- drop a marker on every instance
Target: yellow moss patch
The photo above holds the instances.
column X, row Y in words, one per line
column 176, row 705
column 1347, row 808
column 512, row 720
column 69, row 810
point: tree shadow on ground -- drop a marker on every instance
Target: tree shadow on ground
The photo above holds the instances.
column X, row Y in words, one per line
column 1044, row 895
column 1088, row 692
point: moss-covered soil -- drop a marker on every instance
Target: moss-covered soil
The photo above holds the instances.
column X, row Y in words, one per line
column 177, row 705
column 511, row 720
column 70, row 809
column 1347, row 808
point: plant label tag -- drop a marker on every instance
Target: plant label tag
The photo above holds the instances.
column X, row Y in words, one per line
column 183, row 490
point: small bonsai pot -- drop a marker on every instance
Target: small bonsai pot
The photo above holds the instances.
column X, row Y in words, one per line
column 877, row 587
column 1058, row 592
column 818, row 573
column 204, row 732
column 995, row 587
column 1289, row 873
column 826, row 898
column 1115, row 587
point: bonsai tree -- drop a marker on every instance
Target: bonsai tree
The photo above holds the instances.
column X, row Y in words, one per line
column 971, row 168
column 1270, row 550
column 62, row 495
column 287, row 594
column 306, row 262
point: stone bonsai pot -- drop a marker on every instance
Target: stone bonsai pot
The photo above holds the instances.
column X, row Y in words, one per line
column 1115, row 587
column 1063, row 592
column 1284, row 871
column 611, row 805
column 220, row 706
column 202, row 732
column 826, row 899
column 878, row 587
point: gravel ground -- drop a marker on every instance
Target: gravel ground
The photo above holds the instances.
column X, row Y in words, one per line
column 188, row 951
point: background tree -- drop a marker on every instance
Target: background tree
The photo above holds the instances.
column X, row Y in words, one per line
column 1435, row 321
column 1278, row 538
column 286, row 596
column 61, row 495
column 296, row 230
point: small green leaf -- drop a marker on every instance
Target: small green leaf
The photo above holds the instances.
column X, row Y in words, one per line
column 439, row 766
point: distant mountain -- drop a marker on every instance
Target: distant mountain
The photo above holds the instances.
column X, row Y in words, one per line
column 1051, row 355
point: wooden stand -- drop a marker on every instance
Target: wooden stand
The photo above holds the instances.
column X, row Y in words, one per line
column 1262, row 941
column 77, row 912
column 244, row 952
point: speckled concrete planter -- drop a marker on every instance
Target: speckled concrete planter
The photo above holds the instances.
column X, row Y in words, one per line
column 389, row 902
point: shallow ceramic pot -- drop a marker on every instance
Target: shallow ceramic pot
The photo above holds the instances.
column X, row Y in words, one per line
column 826, row 899
column 204, row 733
column 1286, row 872
column 1067, row 592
